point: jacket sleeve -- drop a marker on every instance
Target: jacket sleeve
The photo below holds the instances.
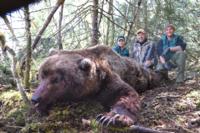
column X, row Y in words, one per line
column 115, row 49
column 181, row 43
column 127, row 52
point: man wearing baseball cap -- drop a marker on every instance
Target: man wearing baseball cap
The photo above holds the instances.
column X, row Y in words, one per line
column 120, row 47
column 142, row 50
column 171, row 53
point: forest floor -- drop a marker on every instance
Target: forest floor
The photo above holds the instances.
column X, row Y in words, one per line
column 170, row 107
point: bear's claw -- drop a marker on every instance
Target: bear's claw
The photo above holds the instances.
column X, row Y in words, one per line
column 105, row 120
column 99, row 117
column 113, row 120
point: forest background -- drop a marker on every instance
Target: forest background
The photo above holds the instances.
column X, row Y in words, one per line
column 33, row 31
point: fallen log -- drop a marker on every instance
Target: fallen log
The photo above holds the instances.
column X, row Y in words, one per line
column 140, row 129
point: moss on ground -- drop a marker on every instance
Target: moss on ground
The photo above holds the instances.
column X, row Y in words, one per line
column 163, row 107
column 66, row 118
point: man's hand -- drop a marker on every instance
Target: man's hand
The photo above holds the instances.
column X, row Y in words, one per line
column 175, row 49
column 166, row 51
column 148, row 63
column 162, row 59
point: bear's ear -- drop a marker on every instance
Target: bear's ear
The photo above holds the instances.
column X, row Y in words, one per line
column 85, row 64
column 53, row 51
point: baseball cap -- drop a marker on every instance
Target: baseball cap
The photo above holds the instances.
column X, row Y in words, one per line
column 120, row 38
column 141, row 31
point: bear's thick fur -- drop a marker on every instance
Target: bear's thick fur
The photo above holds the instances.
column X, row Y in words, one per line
column 7, row 6
column 97, row 73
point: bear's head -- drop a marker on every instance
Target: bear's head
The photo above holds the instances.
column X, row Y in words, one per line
column 66, row 77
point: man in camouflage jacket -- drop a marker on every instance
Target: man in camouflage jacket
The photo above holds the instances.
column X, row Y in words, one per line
column 142, row 50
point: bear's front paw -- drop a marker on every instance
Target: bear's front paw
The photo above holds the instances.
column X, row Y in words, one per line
column 114, row 119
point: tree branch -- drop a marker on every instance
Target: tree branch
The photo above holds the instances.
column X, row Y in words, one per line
column 9, row 27
column 134, row 18
column 38, row 37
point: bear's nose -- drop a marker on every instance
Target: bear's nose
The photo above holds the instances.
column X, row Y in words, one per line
column 35, row 99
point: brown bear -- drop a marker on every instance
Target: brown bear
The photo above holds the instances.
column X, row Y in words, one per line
column 97, row 73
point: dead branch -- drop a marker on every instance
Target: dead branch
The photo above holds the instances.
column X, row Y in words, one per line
column 134, row 18
column 38, row 37
column 117, row 9
column 119, row 26
column 77, row 14
column 140, row 129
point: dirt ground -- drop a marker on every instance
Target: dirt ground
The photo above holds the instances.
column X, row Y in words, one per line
column 172, row 107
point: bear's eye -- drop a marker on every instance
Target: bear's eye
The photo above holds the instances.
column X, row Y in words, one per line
column 55, row 80
column 44, row 74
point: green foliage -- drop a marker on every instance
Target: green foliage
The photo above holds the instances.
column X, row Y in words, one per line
column 43, row 47
column 18, row 115
column 5, row 67
column 11, row 99
column 62, row 118
column 48, row 128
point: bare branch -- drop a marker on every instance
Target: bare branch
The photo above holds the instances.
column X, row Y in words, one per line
column 134, row 18
column 38, row 37
column 9, row 27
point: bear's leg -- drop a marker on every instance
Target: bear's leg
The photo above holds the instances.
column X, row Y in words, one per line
column 124, row 101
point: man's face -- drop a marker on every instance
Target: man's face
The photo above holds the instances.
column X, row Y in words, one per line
column 169, row 31
column 141, row 37
column 121, row 43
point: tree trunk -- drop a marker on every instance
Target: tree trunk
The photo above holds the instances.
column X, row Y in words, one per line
column 110, row 11
column 13, row 58
column 18, row 79
column 28, row 48
column 60, row 46
column 16, row 76
column 95, row 36
column 113, row 29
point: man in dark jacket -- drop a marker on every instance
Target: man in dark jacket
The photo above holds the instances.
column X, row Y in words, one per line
column 120, row 47
column 171, row 52
column 143, row 50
